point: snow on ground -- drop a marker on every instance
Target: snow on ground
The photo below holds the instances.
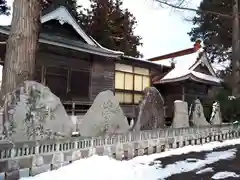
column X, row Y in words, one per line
column 209, row 169
column 106, row 168
column 224, row 175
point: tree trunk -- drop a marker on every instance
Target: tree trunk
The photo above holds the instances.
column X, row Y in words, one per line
column 235, row 51
column 22, row 44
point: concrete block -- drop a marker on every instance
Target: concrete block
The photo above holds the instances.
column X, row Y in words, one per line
column 13, row 175
column 24, row 172
column 40, row 169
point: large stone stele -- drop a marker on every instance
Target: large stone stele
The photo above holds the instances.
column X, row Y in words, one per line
column 151, row 111
column 105, row 116
column 197, row 117
column 180, row 119
column 33, row 112
column 216, row 117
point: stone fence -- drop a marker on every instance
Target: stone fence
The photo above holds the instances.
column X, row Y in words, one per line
column 21, row 159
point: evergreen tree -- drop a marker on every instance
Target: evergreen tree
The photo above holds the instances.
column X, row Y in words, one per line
column 71, row 5
column 214, row 30
column 4, row 9
column 112, row 26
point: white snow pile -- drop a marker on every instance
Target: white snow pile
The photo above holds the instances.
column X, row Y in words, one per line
column 224, row 175
column 202, row 171
column 106, row 168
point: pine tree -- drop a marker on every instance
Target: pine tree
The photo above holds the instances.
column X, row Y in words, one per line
column 71, row 5
column 214, row 30
column 112, row 26
column 4, row 9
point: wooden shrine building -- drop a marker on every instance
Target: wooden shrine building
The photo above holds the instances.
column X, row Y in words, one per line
column 76, row 68
column 193, row 77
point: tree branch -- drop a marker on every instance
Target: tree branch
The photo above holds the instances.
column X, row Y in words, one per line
column 192, row 9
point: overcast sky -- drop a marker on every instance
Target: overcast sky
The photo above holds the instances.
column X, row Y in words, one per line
column 163, row 30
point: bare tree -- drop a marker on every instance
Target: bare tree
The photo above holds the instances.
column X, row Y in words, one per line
column 182, row 5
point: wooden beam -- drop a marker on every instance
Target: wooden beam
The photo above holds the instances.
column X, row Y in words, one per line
column 184, row 52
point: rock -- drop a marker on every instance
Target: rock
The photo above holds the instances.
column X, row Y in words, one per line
column 33, row 112
column 105, row 116
column 216, row 117
column 180, row 119
column 151, row 111
column 197, row 117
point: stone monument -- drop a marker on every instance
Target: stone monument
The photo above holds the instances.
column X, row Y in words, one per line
column 180, row 119
column 197, row 117
column 216, row 117
column 105, row 116
column 151, row 111
column 33, row 112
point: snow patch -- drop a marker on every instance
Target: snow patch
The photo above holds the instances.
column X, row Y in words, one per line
column 185, row 150
column 202, row 171
column 224, row 175
column 185, row 166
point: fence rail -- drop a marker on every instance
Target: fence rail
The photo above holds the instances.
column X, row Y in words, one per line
column 31, row 148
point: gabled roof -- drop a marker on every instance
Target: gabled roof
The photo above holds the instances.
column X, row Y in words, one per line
column 63, row 16
column 183, row 72
column 69, row 44
column 203, row 60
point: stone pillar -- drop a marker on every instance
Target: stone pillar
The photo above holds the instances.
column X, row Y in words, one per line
column 207, row 139
column 180, row 114
column 193, row 141
column 150, row 149
column 159, row 148
column 130, row 153
column 198, row 141
column 119, row 155
column 140, row 151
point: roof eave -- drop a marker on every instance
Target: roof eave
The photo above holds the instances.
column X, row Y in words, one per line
column 45, row 41
column 188, row 77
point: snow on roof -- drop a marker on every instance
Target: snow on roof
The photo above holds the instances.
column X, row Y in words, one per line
column 147, row 61
column 63, row 16
column 185, row 66
column 112, row 51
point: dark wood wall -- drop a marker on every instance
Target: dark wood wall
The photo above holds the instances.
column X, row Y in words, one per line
column 102, row 75
column 174, row 91
column 74, row 67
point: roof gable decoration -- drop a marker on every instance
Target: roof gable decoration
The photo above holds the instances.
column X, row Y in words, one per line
column 203, row 60
column 179, row 74
column 63, row 16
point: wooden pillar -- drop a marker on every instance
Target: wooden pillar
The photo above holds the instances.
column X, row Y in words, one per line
column 43, row 75
column 183, row 93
